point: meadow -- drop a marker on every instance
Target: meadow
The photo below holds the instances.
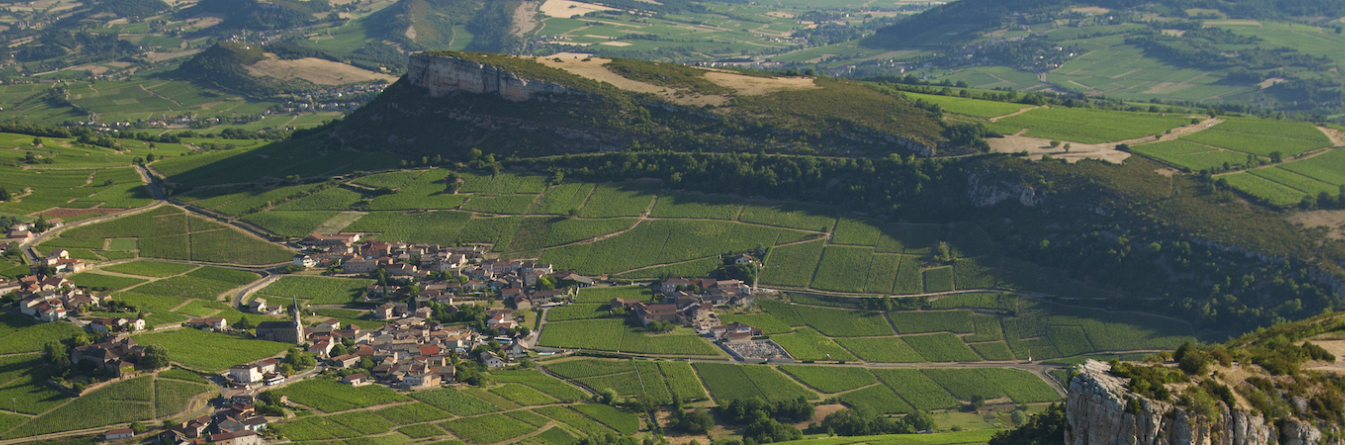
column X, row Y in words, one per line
column 169, row 233
column 328, row 395
column 614, row 335
column 1087, row 126
column 694, row 206
column 728, row 382
column 487, row 429
column 209, row 351
column 1190, row 155
column 793, row 265
column 608, row 201
column 290, row 224
column 454, row 401
column 1262, row 136
column 657, row 242
column 831, row 379
column 969, row 107
column 807, row 344
column 318, row 290
column 1328, row 167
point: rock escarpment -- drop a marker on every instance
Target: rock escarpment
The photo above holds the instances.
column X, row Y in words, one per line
column 443, row 75
column 1097, row 415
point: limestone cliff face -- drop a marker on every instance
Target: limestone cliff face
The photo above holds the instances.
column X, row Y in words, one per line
column 1096, row 413
column 443, row 75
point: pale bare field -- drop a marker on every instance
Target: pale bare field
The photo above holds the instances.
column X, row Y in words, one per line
column 1038, row 147
column 203, row 22
column 1332, row 220
column 615, row 44
column 318, row 71
column 153, row 56
column 752, row 86
column 525, row 17
column 1209, row 23
column 1091, row 10
column 1337, row 348
column 745, row 85
column 567, row 8
column 1337, row 137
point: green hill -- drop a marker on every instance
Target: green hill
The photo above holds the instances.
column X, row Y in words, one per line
column 681, row 108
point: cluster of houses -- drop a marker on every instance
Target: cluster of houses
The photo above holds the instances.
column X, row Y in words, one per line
column 49, row 298
column 410, row 352
column 235, row 424
column 346, row 251
column 474, row 274
column 117, row 355
column 59, row 260
column 689, row 302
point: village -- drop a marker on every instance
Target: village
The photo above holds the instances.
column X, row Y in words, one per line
column 436, row 312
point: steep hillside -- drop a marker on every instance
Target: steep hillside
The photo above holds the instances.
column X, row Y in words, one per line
column 451, row 102
column 1275, row 386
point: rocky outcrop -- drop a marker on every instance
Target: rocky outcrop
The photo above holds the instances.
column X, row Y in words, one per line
column 984, row 191
column 443, row 75
column 1097, row 415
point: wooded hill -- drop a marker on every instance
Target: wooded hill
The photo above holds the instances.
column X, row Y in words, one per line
column 691, row 112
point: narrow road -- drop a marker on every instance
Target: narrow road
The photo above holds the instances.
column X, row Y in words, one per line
column 243, row 293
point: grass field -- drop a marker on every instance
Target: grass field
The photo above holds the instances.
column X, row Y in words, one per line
column 969, row 107
column 792, row 265
column 208, row 351
column 797, row 216
column 838, row 266
column 831, row 322
column 328, row 395
column 916, row 388
column 615, row 335
column 1262, row 136
column 1087, row 126
column 110, row 282
column 318, row 290
column 454, row 401
column 807, row 344
column 878, row 399
column 933, row 321
column 151, row 268
column 881, row 349
column 830, row 379
column 665, row 241
column 729, row 382
column 696, row 206
column 290, row 224
column 941, row 348
column 487, row 429
column 609, row 201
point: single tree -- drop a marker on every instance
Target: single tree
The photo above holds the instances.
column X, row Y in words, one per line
column 155, row 357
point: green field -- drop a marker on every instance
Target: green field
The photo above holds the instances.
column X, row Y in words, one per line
column 1262, row 136
column 615, row 335
column 792, row 265
column 807, row 344
column 328, row 395
column 1087, row 126
column 729, row 382
column 969, row 107
column 318, row 290
column 208, row 351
